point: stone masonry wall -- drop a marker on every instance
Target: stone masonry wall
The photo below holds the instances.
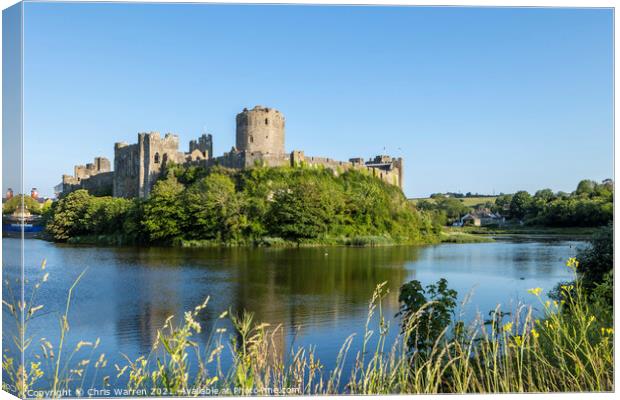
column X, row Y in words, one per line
column 260, row 129
column 155, row 153
column 126, row 170
column 259, row 142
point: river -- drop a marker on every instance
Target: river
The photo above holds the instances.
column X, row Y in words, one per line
column 319, row 295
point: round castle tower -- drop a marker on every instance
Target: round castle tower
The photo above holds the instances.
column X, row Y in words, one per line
column 260, row 129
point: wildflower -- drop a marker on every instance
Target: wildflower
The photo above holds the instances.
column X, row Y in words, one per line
column 99, row 362
column 508, row 327
column 78, row 372
column 203, row 305
column 120, row 371
column 34, row 309
column 191, row 323
column 572, row 263
column 535, row 333
column 518, row 340
column 81, row 344
column 35, row 369
column 607, row 331
column 535, row 291
column 168, row 320
column 262, row 326
column 9, row 306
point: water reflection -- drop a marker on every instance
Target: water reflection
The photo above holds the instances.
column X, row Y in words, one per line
column 127, row 293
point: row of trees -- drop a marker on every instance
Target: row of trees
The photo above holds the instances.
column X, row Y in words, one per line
column 294, row 204
column 30, row 204
column 446, row 210
column 591, row 204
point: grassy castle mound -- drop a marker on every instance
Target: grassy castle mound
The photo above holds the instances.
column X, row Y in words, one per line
column 195, row 206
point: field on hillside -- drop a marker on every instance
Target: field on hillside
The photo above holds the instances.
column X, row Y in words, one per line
column 468, row 201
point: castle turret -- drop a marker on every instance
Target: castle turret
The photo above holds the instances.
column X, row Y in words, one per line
column 204, row 144
column 260, row 129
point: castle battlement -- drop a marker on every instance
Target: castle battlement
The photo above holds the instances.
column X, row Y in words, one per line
column 260, row 140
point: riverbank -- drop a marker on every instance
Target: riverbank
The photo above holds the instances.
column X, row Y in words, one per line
column 525, row 230
column 458, row 235
column 353, row 241
column 453, row 236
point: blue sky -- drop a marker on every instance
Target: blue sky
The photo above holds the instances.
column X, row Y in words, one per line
column 475, row 99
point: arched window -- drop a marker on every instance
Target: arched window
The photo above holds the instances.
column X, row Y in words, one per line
column 156, row 158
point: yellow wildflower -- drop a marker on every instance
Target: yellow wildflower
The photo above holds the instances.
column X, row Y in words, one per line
column 535, row 333
column 572, row 263
column 535, row 291
column 607, row 331
column 508, row 327
column 518, row 340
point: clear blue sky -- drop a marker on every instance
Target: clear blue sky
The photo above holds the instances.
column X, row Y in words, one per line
column 474, row 99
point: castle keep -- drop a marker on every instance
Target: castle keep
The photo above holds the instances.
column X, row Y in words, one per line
column 259, row 141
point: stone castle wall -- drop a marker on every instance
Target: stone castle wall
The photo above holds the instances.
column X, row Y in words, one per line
column 260, row 129
column 126, row 170
column 137, row 166
column 259, row 142
column 383, row 167
column 155, row 153
column 204, row 145
column 96, row 177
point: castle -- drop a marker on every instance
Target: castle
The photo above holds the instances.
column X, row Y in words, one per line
column 259, row 142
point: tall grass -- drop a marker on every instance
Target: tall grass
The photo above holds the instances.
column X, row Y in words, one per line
column 567, row 349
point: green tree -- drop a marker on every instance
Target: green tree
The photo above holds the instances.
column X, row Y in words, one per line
column 215, row 208
column 433, row 310
column 585, row 187
column 544, row 194
column 597, row 259
column 69, row 216
column 164, row 211
column 30, row 204
column 301, row 211
column 453, row 208
column 520, row 204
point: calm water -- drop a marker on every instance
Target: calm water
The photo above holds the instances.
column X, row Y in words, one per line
column 320, row 293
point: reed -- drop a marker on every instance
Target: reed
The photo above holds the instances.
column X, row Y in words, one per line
column 567, row 349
